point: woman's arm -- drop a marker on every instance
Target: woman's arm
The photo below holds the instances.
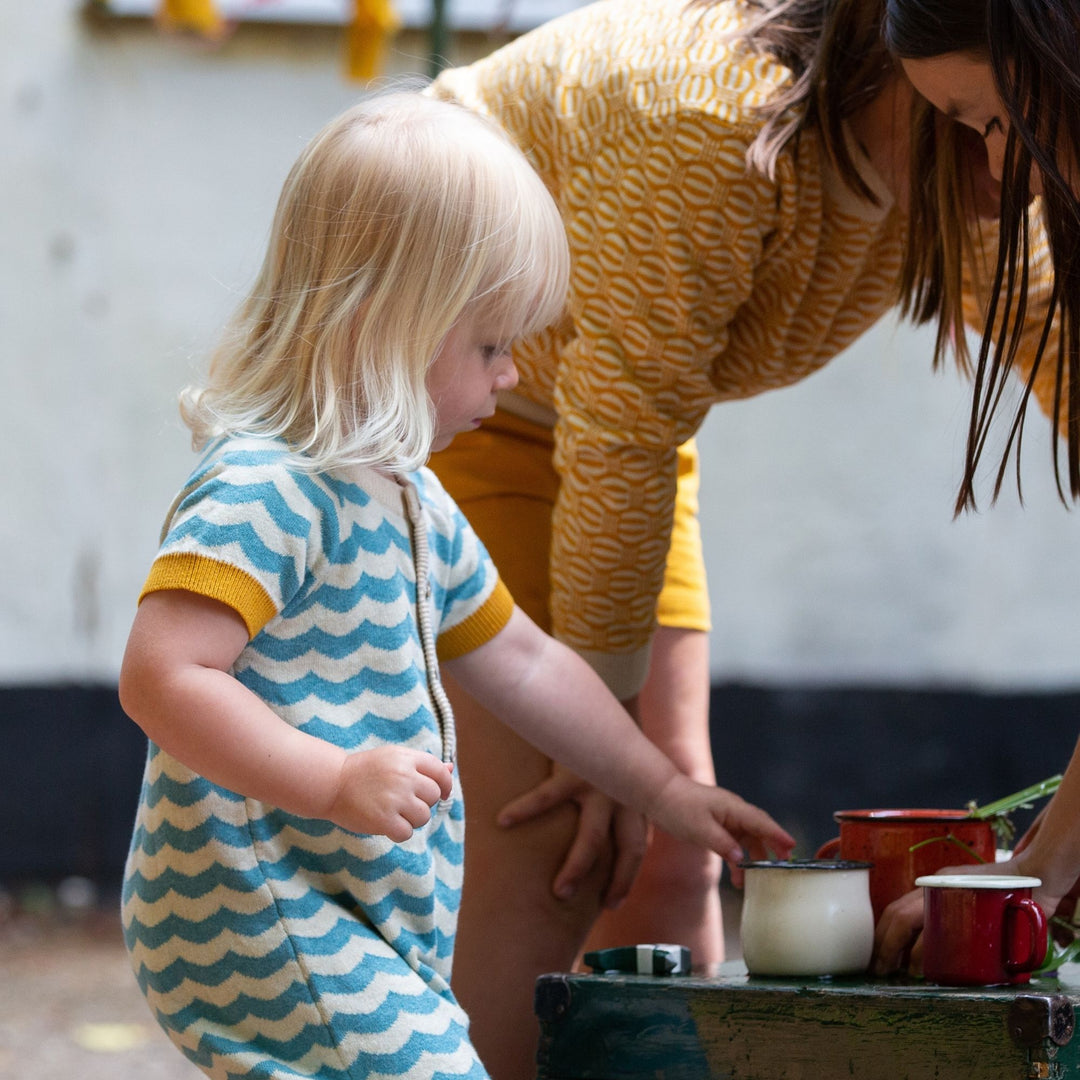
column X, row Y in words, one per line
column 1051, row 852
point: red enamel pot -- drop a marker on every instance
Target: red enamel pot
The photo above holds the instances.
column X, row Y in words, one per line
column 905, row 844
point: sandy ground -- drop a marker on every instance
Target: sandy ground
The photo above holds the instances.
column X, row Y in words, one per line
column 69, row 1005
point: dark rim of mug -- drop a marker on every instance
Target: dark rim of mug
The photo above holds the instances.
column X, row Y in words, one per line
column 804, row 864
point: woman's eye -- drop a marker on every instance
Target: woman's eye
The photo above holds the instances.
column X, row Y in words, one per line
column 994, row 125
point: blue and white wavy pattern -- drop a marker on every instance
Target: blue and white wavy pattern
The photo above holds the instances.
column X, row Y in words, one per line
column 270, row 945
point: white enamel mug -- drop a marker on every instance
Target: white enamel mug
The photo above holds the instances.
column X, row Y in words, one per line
column 807, row 917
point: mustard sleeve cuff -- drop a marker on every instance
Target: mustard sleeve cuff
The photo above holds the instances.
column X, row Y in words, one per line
column 481, row 626
column 215, row 580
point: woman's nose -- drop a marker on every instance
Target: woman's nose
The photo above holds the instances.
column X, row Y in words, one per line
column 995, row 157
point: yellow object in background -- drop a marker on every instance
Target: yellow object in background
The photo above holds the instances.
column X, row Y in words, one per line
column 199, row 16
column 374, row 23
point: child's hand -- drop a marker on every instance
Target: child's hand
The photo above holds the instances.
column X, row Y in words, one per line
column 389, row 791
column 719, row 819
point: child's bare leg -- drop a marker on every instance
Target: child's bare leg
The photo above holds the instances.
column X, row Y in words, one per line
column 676, row 897
column 511, row 928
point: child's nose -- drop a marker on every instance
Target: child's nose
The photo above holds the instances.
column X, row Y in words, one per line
column 507, row 379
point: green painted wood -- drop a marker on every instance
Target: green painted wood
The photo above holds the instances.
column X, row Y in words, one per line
column 733, row 1027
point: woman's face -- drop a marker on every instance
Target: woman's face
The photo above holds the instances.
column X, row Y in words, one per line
column 961, row 85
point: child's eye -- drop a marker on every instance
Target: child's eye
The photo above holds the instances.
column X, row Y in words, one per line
column 493, row 352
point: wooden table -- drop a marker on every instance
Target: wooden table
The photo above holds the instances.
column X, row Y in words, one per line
column 641, row 1027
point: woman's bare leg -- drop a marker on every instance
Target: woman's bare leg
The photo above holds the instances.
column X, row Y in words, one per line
column 512, row 928
column 676, row 897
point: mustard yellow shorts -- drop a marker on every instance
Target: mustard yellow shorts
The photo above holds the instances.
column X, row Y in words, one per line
column 502, row 477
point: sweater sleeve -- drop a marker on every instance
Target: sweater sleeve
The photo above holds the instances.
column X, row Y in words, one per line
column 638, row 118
column 665, row 230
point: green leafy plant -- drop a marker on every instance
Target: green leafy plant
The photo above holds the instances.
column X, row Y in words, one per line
column 1057, row 955
column 997, row 812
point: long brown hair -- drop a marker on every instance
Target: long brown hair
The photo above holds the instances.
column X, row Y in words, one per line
column 1032, row 48
column 838, row 62
column 840, row 53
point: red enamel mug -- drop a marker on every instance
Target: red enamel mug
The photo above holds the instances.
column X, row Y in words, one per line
column 981, row 929
column 905, row 844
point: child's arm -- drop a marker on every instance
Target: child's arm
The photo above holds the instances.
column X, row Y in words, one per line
column 175, row 684
column 552, row 698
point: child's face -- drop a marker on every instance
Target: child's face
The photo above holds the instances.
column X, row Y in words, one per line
column 469, row 369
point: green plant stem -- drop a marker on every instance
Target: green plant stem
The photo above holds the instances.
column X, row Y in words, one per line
column 1021, row 799
column 949, row 839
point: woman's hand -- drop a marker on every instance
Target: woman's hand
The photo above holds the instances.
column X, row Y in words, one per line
column 602, row 822
column 898, row 936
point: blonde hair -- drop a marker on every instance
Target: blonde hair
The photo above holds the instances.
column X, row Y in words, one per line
column 401, row 216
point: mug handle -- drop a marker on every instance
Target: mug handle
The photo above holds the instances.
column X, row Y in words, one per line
column 829, row 849
column 1037, row 925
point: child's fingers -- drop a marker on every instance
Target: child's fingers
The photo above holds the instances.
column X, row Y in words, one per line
column 756, row 850
column 758, row 834
column 398, row 829
column 762, row 837
column 439, row 771
column 738, row 876
column 754, row 826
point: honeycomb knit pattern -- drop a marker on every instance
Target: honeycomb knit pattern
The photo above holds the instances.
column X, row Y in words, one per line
column 694, row 280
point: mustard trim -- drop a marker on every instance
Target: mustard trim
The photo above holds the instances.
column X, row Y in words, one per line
column 481, row 626
column 216, row 580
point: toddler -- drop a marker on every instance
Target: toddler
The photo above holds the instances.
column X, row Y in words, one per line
column 292, row 890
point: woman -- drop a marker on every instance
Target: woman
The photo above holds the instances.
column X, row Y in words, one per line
column 1007, row 68
column 734, row 178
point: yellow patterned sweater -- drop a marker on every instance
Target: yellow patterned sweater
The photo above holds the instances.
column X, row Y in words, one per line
column 694, row 281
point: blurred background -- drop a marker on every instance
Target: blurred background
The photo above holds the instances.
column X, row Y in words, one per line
column 869, row 650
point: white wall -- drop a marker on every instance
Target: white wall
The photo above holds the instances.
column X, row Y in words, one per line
column 139, row 175
column 832, row 547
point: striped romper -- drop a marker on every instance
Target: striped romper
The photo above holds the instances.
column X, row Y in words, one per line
column 270, row 945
